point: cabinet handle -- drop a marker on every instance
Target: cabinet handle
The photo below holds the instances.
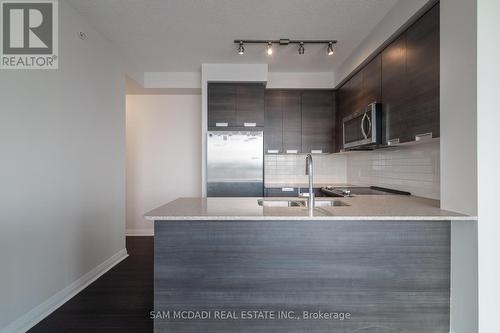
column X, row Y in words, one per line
column 249, row 124
column 273, row 151
column 393, row 142
column 291, row 151
column 316, row 151
column 287, row 189
column 221, row 124
column 363, row 126
column 423, row 136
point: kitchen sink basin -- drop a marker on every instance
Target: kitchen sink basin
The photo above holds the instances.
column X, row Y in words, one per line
column 300, row 203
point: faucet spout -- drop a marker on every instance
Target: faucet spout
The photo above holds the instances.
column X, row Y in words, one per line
column 309, row 172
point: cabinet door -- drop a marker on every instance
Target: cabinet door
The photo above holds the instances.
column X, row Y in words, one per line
column 317, row 121
column 221, row 105
column 394, row 90
column 356, row 98
column 292, row 121
column 342, row 110
column 422, row 66
column 372, row 81
column 273, row 128
column 250, row 104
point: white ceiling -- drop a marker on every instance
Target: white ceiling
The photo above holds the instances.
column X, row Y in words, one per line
column 180, row 35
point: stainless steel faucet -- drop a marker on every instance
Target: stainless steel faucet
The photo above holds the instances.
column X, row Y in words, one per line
column 309, row 172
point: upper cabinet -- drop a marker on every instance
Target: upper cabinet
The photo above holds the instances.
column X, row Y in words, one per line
column 410, row 81
column 273, row 123
column 292, row 121
column 422, row 68
column 221, row 105
column 361, row 89
column 317, row 121
column 235, row 105
column 372, row 81
column 299, row 122
column 394, row 90
column 404, row 77
column 250, row 105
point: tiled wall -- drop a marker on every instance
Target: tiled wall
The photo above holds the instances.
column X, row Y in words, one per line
column 290, row 169
column 410, row 168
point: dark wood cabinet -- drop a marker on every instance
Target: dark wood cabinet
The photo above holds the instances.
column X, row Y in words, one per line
column 221, row 105
column 235, row 105
column 273, row 123
column 422, row 68
column 299, row 121
column 283, row 130
column 342, row 109
column 410, row 81
column 250, row 104
column 394, row 89
column 372, row 82
column 317, row 121
column 292, row 121
column 404, row 77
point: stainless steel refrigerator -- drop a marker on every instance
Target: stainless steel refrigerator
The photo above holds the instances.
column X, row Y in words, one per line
column 235, row 163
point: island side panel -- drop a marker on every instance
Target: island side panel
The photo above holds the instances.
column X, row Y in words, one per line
column 391, row 276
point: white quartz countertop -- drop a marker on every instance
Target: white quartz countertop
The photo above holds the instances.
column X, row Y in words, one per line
column 362, row 207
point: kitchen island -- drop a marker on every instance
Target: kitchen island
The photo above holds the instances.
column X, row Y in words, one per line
column 363, row 264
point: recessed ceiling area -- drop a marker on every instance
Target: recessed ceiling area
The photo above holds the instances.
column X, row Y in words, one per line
column 180, row 35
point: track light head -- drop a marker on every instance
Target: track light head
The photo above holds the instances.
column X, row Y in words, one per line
column 331, row 50
column 241, row 49
column 269, row 48
column 301, row 48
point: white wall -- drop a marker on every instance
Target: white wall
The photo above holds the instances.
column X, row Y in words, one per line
column 163, row 154
column 488, row 119
column 458, row 106
column 408, row 168
column 459, row 153
column 175, row 80
column 62, row 174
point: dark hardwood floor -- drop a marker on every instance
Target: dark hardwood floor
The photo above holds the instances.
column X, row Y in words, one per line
column 119, row 301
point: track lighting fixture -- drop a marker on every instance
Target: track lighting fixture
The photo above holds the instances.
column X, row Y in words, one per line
column 330, row 49
column 301, row 48
column 284, row 42
column 269, row 48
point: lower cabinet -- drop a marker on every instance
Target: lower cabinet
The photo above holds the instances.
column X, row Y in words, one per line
column 281, row 192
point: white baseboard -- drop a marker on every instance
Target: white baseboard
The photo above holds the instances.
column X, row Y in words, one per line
column 140, row 232
column 37, row 314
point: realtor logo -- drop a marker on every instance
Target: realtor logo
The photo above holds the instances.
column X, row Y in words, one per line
column 29, row 35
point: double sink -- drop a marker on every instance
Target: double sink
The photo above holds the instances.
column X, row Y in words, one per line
column 300, row 203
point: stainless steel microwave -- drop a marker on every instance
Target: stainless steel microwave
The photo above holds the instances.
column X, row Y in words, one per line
column 363, row 129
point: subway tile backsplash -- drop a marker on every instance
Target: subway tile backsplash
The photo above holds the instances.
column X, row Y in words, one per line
column 290, row 169
column 410, row 168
